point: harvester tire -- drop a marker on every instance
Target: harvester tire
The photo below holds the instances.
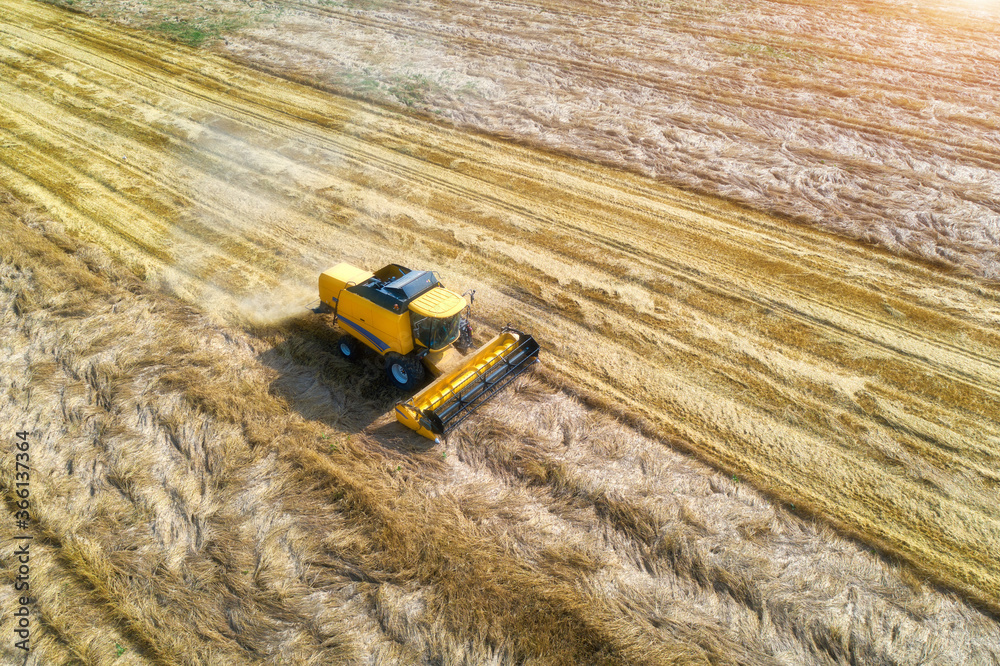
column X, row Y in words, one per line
column 349, row 347
column 403, row 372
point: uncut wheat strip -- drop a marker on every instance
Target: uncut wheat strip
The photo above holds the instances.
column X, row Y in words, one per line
column 770, row 380
column 645, row 40
column 602, row 620
column 817, row 29
column 588, row 458
column 983, row 385
column 969, row 365
column 128, row 481
column 850, row 264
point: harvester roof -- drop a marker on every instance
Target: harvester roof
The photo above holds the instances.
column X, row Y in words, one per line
column 438, row 303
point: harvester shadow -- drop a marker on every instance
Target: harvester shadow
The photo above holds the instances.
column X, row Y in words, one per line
column 346, row 396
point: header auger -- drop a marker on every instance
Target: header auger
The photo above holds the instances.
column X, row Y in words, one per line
column 418, row 326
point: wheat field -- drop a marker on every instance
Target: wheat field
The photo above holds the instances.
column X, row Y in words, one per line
column 749, row 441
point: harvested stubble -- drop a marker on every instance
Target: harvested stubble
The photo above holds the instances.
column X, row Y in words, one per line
column 877, row 121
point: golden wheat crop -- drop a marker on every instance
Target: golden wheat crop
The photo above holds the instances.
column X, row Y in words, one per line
column 213, row 485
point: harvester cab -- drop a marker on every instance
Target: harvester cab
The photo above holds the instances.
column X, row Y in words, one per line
column 419, row 327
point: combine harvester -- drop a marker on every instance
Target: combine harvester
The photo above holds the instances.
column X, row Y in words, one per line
column 418, row 326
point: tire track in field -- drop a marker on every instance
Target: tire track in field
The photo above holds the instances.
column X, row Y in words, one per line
column 800, row 362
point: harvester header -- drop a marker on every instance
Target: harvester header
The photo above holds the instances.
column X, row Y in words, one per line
column 418, row 326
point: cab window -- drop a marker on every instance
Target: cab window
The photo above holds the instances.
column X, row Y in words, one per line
column 435, row 333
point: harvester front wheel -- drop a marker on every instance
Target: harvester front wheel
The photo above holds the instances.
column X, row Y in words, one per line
column 403, row 372
column 348, row 347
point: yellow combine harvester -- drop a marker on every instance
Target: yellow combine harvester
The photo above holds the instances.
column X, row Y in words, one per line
column 418, row 326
